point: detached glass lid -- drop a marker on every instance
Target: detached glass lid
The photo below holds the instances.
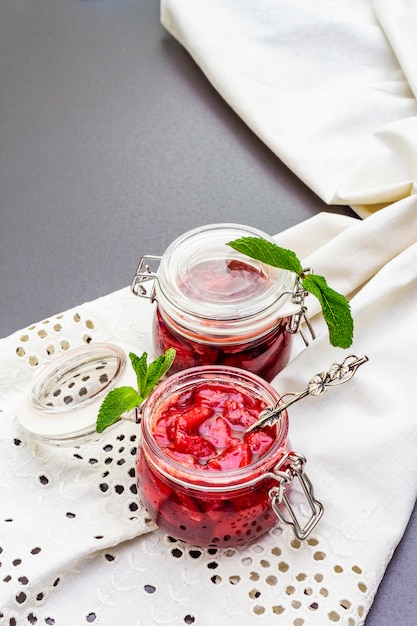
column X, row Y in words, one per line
column 62, row 403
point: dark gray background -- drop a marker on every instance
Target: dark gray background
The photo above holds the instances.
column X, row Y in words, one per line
column 112, row 143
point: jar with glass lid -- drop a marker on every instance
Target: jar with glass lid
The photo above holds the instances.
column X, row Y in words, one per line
column 216, row 306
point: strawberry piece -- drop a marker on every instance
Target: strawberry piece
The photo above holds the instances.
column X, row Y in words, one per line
column 163, row 430
column 241, row 411
column 259, row 441
column 193, row 444
column 208, row 395
column 240, row 417
column 233, row 457
column 217, row 431
column 234, row 265
column 191, row 419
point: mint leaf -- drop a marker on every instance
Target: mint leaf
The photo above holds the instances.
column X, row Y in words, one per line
column 123, row 399
column 335, row 307
column 336, row 310
column 140, row 366
column 117, row 402
column 267, row 252
column 157, row 369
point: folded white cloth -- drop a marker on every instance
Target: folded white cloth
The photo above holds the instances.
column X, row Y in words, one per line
column 329, row 87
column 75, row 543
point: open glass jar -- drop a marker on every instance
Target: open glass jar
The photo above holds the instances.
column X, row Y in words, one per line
column 201, row 476
column 218, row 306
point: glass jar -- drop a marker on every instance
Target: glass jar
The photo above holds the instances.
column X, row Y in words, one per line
column 218, row 306
column 201, row 476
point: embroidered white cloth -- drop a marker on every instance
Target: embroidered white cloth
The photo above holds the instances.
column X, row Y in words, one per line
column 330, row 87
column 76, row 546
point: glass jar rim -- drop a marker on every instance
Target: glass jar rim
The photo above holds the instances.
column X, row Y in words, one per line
column 265, row 292
column 219, row 479
column 70, row 366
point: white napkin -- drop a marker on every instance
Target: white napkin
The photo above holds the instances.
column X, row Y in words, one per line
column 58, row 506
column 362, row 435
column 75, row 549
column 329, row 87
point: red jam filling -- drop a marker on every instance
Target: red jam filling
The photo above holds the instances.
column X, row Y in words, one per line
column 212, row 282
column 264, row 356
column 204, row 429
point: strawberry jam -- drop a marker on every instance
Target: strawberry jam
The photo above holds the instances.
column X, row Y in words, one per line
column 202, row 477
column 205, row 428
column 265, row 356
column 216, row 306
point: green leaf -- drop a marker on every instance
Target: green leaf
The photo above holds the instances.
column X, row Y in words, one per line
column 336, row 310
column 157, row 369
column 117, row 402
column 335, row 307
column 123, row 399
column 267, row 252
column 140, row 366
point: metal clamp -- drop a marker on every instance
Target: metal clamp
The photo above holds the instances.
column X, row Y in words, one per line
column 294, row 325
column 299, row 293
column 144, row 274
column 298, row 297
column 292, row 467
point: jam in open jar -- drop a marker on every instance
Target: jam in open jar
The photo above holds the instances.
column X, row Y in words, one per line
column 201, row 476
column 216, row 306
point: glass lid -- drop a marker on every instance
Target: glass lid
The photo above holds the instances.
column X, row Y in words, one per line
column 202, row 275
column 62, row 403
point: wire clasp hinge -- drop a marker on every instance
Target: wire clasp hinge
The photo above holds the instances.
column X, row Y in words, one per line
column 291, row 468
column 295, row 324
column 146, row 272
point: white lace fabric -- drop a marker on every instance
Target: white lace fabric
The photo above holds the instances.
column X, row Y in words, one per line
column 77, row 546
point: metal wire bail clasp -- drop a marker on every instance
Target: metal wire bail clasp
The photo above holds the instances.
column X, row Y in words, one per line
column 144, row 274
column 295, row 324
column 291, row 468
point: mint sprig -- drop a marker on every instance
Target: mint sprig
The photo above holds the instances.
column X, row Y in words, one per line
column 268, row 253
column 335, row 307
column 123, row 399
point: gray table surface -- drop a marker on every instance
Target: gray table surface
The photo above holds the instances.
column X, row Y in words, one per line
column 112, row 143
